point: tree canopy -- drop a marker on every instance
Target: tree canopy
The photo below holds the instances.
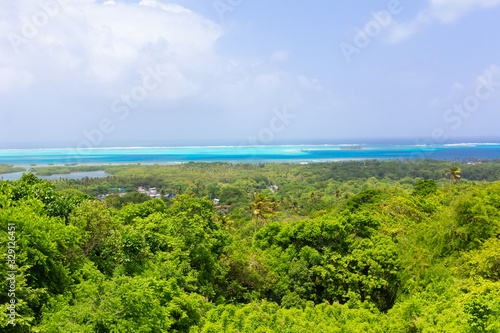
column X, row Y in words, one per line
column 376, row 254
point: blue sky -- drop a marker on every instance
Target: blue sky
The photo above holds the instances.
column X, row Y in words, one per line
column 85, row 73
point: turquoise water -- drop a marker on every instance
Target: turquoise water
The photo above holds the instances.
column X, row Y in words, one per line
column 250, row 154
column 73, row 175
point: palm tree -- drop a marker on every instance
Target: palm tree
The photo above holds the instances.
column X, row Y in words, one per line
column 284, row 204
column 224, row 220
column 260, row 206
column 454, row 175
column 314, row 198
column 295, row 205
column 338, row 193
column 201, row 186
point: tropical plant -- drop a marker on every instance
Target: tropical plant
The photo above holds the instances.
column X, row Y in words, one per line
column 454, row 175
column 260, row 206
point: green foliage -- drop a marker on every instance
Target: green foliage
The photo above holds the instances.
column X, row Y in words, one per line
column 481, row 304
column 366, row 199
column 56, row 203
column 248, row 275
column 260, row 207
column 383, row 251
column 478, row 216
column 483, row 262
column 266, row 317
column 438, row 308
column 231, row 194
column 7, row 168
column 95, row 224
column 133, row 197
column 56, row 170
column 425, row 187
column 331, row 258
column 46, row 254
column 121, row 304
column 130, row 212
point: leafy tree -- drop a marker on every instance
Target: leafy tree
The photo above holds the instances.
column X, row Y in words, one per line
column 398, row 258
column 366, row 198
column 483, row 262
column 425, row 187
column 231, row 194
column 478, row 216
column 120, row 304
column 95, row 223
column 132, row 197
column 46, row 255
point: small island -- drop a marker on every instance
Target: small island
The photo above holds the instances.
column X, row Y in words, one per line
column 351, row 148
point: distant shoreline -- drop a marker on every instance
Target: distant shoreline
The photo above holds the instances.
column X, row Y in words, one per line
column 245, row 154
column 347, row 145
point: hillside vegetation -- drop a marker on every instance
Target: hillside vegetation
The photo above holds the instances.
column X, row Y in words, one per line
column 338, row 247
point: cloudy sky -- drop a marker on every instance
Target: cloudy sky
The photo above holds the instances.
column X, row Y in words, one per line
column 136, row 72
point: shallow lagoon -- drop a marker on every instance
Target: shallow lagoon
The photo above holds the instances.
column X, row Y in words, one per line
column 249, row 154
column 73, row 175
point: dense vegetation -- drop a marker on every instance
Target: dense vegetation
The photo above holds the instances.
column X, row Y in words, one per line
column 53, row 170
column 304, row 190
column 7, row 168
column 338, row 247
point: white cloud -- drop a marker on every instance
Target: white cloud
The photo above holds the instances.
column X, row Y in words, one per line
column 89, row 54
column 448, row 11
column 401, row 31
column 444, row 11
column 312, row 84
column 173, row 8
column 107, row 44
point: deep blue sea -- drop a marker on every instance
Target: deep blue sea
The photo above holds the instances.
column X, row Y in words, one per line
column 249, row 154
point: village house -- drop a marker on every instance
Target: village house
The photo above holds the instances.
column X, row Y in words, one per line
column 274, row 188
column 222, row 209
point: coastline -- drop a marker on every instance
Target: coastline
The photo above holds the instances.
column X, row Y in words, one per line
column 45, row 157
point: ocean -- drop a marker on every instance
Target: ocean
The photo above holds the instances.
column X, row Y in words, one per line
column 247, row 154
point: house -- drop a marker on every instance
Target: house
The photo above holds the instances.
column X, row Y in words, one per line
column 152, row 191
column 222, row 209
column 216, row 201
column 274, row 188
column 103, row 196
column 141, row 189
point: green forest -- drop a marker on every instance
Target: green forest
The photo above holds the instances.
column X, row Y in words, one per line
column 360, row 246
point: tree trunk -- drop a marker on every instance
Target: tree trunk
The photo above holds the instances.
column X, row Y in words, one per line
column 450, row 186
